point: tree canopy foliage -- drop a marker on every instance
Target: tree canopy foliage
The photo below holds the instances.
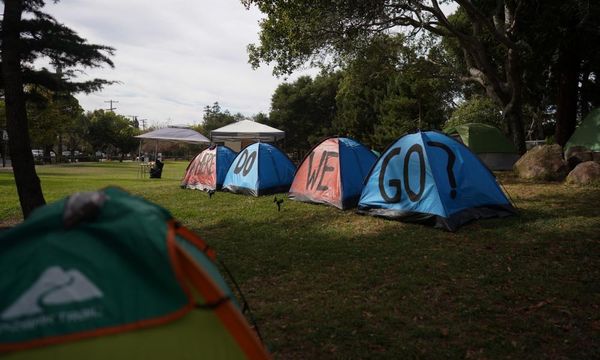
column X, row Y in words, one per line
column 111, row 133
column 513, row 51
column 477, row 109
column 305, row 110
column 214, row 117
column 27, row 35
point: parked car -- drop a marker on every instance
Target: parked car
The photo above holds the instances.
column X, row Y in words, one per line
column 68, row 153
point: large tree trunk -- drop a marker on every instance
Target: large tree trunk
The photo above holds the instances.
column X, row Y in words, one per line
column 514, row 118
column 513, row 109
column 568, row 82
column 27, row 181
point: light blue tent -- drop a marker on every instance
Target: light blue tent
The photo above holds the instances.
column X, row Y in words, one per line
column 260, row 169
column 431, row 178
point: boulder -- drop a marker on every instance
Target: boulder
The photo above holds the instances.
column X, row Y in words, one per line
column 543, row 162
column 585, row 173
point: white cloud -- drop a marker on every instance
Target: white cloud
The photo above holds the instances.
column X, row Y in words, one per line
column 173, row 57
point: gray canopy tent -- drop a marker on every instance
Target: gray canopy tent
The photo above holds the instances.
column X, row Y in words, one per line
column 173, row 133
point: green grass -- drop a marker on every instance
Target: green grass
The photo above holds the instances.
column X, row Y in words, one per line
column 330, row 284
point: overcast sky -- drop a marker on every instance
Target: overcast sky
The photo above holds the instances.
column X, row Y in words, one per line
column 173, row 57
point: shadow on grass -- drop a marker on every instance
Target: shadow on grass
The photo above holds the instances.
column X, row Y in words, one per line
column 331, row 284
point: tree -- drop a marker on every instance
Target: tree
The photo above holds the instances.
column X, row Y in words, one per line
column 260, row 118
column 215, row 118
column 576, row 54
column 26, row 39
column 478, row 109
column 305, row 110
column 111, row 133
column 559, row 72
column 389, row 89
column 293, row 34
column 52, row 116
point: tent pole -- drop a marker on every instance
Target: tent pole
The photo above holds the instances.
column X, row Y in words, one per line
column 140, row 152
column 156, row 151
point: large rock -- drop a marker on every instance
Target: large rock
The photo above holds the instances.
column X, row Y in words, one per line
column 585, row 173
column 543, row 162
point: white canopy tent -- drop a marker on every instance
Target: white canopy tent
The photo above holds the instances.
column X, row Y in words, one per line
column 238, row 133
column 173, row 133
column 247, row 129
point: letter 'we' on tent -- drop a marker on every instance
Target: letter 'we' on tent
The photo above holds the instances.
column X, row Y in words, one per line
column 208, row 169
column 260, row 169
column 106, row 275
column 431, row 178
column 333, row 173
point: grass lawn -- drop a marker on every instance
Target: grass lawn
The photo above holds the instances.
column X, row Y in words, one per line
column 330, row 284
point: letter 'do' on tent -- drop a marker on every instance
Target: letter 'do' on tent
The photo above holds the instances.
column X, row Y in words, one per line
column 260, row 169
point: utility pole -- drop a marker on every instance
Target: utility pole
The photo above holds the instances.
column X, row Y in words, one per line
column 135, row 121
column 112, row 108
column 138, row 121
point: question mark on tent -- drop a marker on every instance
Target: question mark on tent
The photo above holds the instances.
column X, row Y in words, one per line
column 449, row 166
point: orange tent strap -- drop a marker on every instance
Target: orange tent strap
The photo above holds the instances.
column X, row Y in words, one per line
column 177, row 269
column 228, row 313
column 96, row 332
column 196, row 241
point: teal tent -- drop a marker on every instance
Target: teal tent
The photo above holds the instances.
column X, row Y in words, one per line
column 488, row 142
column 106, row 275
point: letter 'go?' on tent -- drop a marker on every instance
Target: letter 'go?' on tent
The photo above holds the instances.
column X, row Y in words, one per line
column 431, row 178
column 106, row 275
column 208, row 169
column 260, row 169
column 333, row 173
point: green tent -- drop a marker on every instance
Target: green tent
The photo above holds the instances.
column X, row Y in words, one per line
column 587, row 133
column 106, row 275
column 488, row 142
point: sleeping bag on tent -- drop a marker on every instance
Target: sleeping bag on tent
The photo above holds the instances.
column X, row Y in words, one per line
column 431, row 178
column 106, row 275
column 260, row 169
column 333, row 173
column 208, row 169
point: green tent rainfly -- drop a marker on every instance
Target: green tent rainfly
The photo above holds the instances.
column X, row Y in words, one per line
column 587, row 135
column 492, row 147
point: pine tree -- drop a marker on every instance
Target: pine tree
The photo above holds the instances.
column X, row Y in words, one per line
column 24, row 39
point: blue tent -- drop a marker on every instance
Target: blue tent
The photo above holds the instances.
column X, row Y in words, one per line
column 260, row 169
column 431, row 178
column 333, row 173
